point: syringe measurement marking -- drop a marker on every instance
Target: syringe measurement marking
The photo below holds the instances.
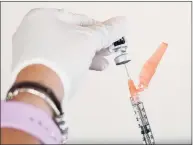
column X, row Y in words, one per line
column 143, row 124
column 147, row 139
column 150, row 134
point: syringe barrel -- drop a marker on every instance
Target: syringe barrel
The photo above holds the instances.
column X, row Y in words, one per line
column 142, row 120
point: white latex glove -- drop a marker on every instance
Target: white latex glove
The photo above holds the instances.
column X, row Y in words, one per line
column 67, row 43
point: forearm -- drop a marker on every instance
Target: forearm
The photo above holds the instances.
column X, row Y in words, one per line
column 44, row 76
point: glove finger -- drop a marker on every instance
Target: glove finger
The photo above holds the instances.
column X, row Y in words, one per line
column 43, row 12
column 64, row 15
column 103, row 52
column 77, row 19
column 109, row 31
column 99, row 63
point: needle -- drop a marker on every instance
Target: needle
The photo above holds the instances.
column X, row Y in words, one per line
column 127, row 71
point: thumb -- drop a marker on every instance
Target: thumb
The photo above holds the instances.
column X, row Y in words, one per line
column 109, row 31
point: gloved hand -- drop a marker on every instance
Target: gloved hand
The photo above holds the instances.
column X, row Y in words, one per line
column 67, row 43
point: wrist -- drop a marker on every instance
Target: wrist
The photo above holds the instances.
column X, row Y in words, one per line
column 42, row 75
column 35, row 101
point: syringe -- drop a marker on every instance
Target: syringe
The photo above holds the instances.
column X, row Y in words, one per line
column 145, row 76
column 148, row 70
column 140, row 113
